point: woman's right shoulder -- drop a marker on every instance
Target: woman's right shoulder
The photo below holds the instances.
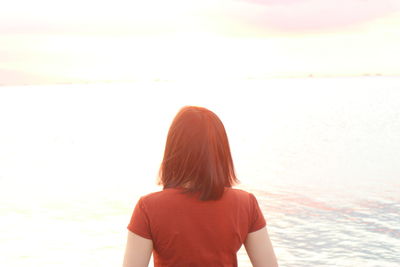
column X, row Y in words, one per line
column 240, row 193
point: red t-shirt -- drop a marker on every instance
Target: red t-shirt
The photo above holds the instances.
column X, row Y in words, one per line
column 188, row 232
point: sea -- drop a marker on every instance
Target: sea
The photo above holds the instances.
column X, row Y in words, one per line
column 321, row 155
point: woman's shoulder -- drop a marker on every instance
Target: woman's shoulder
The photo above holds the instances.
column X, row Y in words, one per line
column 239, row 191
column 239, row 194
column 176, row 194
column 157, row 195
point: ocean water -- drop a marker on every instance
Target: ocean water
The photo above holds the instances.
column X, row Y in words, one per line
column 322, row 157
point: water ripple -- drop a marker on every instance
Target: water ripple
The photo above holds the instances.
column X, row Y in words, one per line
column 308, row 230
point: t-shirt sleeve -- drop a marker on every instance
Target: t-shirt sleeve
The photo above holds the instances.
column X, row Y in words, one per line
column 257, row 220
column 139, row 223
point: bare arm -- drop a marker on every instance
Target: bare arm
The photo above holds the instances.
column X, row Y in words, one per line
column 138, row 251
column 259, row 248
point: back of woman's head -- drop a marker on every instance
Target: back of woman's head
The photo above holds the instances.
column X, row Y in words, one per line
column 197, row 156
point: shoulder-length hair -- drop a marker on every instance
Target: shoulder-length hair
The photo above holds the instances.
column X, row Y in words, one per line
column 197, row 156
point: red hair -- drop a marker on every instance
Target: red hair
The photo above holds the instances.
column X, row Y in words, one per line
column 197, row 156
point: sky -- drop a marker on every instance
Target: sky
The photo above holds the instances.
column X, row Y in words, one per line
column 72, row 41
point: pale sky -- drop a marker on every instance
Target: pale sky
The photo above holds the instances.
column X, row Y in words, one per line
column 77, row 41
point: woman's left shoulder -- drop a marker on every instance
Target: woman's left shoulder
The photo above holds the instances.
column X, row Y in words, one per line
column 158, row 195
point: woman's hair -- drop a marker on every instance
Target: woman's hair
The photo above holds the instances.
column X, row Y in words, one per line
column 197, row 155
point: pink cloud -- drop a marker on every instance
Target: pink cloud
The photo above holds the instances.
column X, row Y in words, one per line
column 21, row 77
column 275, row 2
column 314, row 15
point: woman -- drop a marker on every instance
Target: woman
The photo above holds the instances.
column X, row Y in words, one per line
column 198, row 219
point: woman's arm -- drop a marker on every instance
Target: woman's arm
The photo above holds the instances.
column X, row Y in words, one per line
column 138, row 251
column 259, row 248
